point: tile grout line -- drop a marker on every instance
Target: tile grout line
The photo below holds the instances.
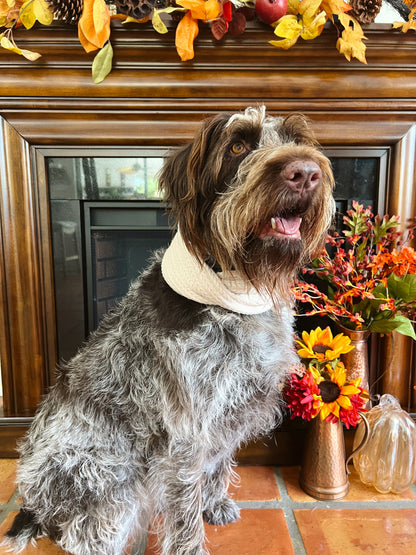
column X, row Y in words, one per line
column 10, row 506
column 286, row 504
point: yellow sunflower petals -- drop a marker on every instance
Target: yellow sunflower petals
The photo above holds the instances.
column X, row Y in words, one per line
column 344, row 402
column 349, row 390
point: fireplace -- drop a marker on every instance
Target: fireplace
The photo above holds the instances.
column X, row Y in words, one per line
column 151, row 101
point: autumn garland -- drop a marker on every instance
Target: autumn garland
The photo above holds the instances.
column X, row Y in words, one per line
column 302, row 19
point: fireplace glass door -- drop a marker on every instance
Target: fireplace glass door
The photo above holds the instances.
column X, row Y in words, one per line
column 107, row 219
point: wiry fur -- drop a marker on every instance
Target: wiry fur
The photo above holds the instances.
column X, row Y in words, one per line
column 146, row 418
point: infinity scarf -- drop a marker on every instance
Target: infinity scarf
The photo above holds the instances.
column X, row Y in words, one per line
column 185, row 274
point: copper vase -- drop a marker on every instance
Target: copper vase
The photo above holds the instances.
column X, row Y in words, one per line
column 323, row 474
column 394, row 365
column 356, row 361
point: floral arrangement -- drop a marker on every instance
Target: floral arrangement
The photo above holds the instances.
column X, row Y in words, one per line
column 324, row 389
column 370, row 284
column 290, row 19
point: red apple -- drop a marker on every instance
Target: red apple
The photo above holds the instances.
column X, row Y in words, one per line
column 270, row 11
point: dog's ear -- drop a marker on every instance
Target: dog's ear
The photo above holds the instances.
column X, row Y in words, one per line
column 180, row 176
column 182, row 182
column 173, row 180
column 296, row 128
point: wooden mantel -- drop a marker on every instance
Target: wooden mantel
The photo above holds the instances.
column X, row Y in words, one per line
column 152, row 98
column 150, row 89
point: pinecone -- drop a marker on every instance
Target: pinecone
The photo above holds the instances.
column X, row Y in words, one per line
column 138, row 9
column 365, row 11
column 67, row 10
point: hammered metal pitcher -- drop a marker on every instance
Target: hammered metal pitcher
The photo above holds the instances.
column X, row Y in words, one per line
column 324, row 472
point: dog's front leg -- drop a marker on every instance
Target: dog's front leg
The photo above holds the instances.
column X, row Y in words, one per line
column 218, row 508
column 183, row 524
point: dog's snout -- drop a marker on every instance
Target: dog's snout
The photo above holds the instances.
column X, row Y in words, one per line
column 302, row 175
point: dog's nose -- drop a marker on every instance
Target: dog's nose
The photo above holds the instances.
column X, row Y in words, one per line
column 302, row 175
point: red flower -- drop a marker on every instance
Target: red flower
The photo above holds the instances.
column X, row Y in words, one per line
column 302, row 396
column 352, row 417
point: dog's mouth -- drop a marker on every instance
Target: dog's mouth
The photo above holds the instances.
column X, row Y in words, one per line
column 282, row 228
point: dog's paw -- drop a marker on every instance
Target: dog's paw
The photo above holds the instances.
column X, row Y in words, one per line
column 221, row 512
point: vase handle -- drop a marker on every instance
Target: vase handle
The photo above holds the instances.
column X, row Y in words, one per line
column 363, row 441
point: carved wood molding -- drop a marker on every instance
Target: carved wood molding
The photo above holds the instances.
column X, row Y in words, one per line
column 116, row 126
column 22, row 347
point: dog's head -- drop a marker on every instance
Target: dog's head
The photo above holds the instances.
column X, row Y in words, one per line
column 254, row 193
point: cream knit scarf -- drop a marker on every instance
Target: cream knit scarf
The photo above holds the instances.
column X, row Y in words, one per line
column 185, row 274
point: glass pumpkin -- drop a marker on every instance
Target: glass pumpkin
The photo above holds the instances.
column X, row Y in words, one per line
column 388, row 459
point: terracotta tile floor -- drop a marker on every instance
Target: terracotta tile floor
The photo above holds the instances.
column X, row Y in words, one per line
column 278, row 518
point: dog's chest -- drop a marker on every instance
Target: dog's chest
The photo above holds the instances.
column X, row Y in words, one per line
column 236, row 360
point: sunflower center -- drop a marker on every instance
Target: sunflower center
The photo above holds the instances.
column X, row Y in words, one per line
column 319, row 348
column 329, row 391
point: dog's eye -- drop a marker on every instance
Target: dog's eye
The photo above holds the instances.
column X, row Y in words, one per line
column 238, row 148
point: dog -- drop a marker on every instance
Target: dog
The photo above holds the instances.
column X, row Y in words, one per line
column 144, row 422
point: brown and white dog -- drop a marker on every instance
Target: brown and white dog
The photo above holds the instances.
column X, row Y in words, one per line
column 145, row 420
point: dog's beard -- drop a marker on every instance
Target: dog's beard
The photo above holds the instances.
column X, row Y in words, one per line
column 270, row 264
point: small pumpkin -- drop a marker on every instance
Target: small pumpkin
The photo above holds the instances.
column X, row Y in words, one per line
column 388, row 459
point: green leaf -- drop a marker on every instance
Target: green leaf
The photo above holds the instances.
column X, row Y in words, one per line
column 402, row 287
column 102, row 63
column 398, row 323
column 380, row 291
column 382, row 227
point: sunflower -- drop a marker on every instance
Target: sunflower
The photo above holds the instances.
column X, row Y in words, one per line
column 336, row 394
column 322, row 346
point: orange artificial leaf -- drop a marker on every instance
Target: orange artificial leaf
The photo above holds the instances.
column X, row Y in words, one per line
column 334, row 7
column 186, row 32
column 206, row 10
column 350, row 42
column 212, row 9
column 407, row 25
column 86, row 44
column 188, row 4
column 9, row 12
column 94, row 25
column 101, row 16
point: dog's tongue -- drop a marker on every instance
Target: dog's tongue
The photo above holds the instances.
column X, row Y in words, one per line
column 282, row 228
